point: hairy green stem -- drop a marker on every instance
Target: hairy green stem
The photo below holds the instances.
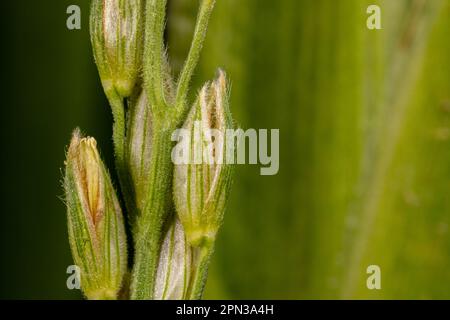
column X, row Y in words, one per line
column 149, row 224
column 166, row 119
column 202, row 257
column 201, row 27
column 154, row 52
column 118, row 111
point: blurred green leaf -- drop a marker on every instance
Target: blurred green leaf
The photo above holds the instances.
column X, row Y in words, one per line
column 364, row 124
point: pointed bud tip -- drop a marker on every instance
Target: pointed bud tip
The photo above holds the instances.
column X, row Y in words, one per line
column 80, row 143
column 84, row 162
column 221, row 78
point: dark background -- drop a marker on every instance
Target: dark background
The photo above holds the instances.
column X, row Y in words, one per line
column 50, row 86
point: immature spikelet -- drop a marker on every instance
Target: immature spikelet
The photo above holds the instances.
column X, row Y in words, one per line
column 116, row 36
column 201, row 184
column 174, row 268
column 96, row 228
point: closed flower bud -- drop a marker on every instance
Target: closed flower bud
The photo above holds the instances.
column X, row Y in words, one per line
column 117, row 36
column 139, row 148
column 174, row 268
column 96, row 227
column 202, row 183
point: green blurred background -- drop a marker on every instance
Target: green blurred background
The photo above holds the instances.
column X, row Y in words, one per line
column 364, row 119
